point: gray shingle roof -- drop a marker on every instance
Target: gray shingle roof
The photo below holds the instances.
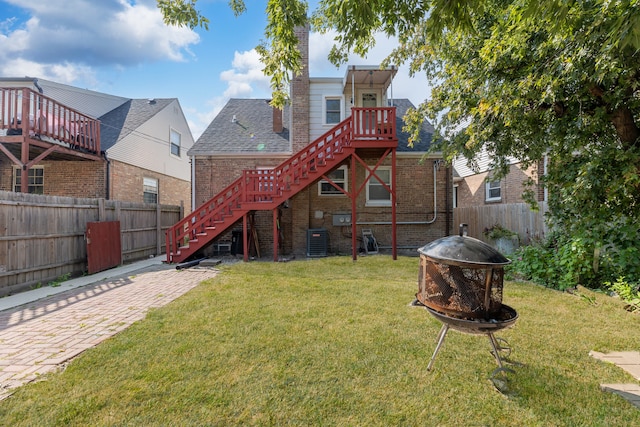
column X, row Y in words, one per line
column 426, row 133
column 120, row 122
column 251, row 132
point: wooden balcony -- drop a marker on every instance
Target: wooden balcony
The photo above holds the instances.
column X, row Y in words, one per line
column 46, row 127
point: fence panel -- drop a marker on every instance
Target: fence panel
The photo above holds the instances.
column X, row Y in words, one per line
column 43, row 237
column 516, row 217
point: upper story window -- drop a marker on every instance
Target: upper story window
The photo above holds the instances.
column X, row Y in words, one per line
column 492, row 191
column 377, row 193
column 339, row 178
column 36, row 180
column 174, row 139
column 149, row 190
column 332, row 111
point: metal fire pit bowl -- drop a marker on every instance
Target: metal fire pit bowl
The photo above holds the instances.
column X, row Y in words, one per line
column 505, row 319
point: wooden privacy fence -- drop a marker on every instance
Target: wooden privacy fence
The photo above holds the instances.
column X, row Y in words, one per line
column 42, row 238
column 516, row 217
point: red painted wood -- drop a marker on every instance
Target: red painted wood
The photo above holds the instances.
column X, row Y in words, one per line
column 104, row 249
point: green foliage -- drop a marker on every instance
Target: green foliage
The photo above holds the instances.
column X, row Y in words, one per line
column 628, row 292
column 57, row 282
column 497, row 231
column 563, row 262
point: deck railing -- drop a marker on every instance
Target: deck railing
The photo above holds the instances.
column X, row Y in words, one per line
column 24, row 111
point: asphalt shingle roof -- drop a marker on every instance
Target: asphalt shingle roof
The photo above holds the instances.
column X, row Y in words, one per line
column 426, row 133
column 252, row 130
column 120, row 122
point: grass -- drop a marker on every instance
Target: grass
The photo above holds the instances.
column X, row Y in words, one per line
column 335, row 343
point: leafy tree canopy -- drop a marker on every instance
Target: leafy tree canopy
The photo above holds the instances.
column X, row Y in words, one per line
column 526, row 78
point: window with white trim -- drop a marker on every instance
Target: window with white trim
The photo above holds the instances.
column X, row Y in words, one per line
column 174, row 139
column 339, row 178
column 492, row 191
column 332, row 110
column 36, row 179
column 149, row 190
column 455, row 195
column 377, row 194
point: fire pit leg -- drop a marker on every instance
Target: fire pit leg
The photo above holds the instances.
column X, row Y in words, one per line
column 496, row 348
column 443, row 333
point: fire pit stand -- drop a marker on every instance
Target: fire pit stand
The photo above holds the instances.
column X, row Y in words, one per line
column 460, row 284
column 508, row 316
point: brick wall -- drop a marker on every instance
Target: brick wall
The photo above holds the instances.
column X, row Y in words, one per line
column 472, row 192
column 127, row 184
column 63, row 178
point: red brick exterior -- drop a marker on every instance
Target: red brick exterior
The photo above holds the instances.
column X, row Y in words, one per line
column 414, row 207
column 472, row 191
column 89, row 179
column 63, row 178
column 126, row 184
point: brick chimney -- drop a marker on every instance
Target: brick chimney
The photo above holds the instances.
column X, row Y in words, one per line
column 299, row 122
column 277, row 120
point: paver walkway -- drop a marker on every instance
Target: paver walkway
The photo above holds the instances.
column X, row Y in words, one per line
column 630, row 362
column 38, row 337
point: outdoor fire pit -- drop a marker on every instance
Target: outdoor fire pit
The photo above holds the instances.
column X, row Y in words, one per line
column 460, row 284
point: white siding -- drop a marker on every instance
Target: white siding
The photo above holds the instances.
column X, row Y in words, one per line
column 148, row 146
column 319, row 90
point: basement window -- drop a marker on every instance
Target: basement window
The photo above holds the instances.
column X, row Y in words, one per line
column 36, row 180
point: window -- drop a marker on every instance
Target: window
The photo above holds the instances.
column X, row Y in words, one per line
column 174, row 138
column 377, row 194
column 492, row 191
column 339, row 178
column 455, row 195
column 36, row 180
column 332, row 110
column 149, row 190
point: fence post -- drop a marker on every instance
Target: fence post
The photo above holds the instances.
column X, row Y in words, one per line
column 101, row 210
column 158, row 229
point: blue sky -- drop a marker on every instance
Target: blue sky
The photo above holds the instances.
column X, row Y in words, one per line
column 122, row 47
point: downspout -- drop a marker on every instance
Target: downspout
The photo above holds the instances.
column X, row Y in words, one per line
column 353, row 88
column 108, row 180
column 193, row 183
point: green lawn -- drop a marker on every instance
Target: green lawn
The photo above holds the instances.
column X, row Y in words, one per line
column 332, row 342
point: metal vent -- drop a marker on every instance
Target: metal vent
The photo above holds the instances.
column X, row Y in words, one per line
column 316, row 242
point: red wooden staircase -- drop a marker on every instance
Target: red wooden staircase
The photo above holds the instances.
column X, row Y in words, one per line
column 267, row 189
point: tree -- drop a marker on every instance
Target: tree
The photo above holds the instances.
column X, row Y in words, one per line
column 525, row 78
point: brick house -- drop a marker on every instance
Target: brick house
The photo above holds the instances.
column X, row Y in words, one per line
column 331, row 174
column 476, row 187
column 82, row 143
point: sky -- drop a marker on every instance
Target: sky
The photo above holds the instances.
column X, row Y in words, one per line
column 122, row 47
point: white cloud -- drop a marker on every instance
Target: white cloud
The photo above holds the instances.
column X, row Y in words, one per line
column 92, row 33
column 244, row 79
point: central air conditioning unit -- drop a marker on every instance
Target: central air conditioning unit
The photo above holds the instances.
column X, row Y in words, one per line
column 316, row 242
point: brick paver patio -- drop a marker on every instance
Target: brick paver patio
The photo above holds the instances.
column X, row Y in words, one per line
column 37, row 338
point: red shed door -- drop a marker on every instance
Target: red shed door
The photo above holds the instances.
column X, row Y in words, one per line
column 103, row 246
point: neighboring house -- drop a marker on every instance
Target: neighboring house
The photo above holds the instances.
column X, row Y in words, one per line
column 476, row 186
column 293, row 182
column 82, row 143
